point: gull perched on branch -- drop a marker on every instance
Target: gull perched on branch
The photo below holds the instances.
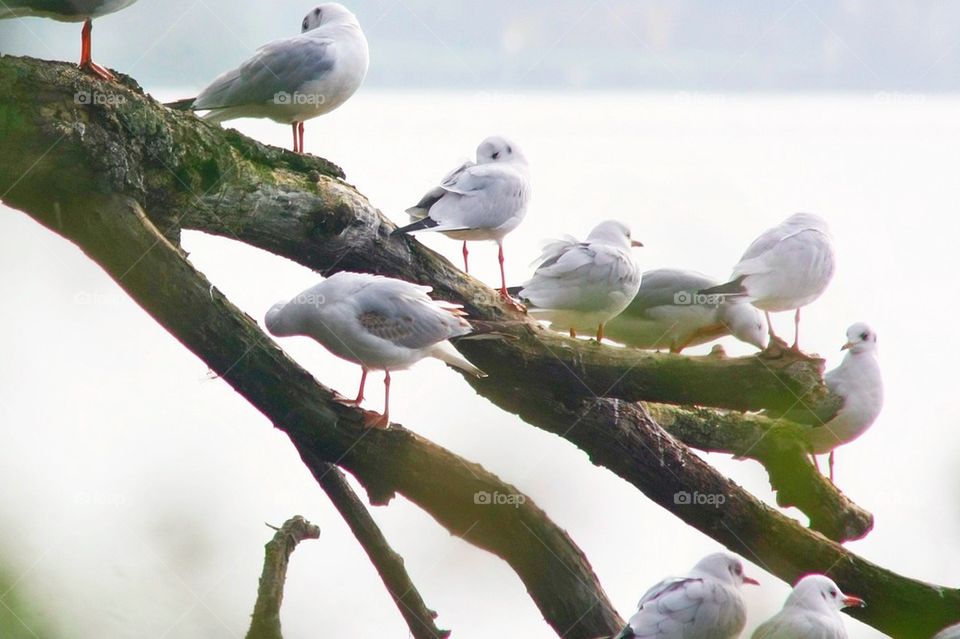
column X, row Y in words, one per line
column 812, row 611
column 579, row 286
column 293, row 79
column 377, row 322
column 69, row 11
column 669, row 312
column 786, row 268
column 704, row 604
column 478, row 201
column 859, row 382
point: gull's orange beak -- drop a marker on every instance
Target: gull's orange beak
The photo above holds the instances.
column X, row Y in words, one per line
column 636, row 243
column 750, row 580
column 851, row 602
column 846, row 346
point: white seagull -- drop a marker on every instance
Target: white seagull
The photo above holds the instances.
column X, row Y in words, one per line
column 951, row 632
column 480, row 201
column 69, row 11
column 858, row 381
column 812, row 611
column 581, row 285
column 786, row 268
column 669, row 312
column 377, row 322
column 293, row 79
column 704, row 604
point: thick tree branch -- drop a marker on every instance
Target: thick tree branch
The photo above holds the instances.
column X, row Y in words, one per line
column 388, row 563
column 265, row 623
column 324, row 223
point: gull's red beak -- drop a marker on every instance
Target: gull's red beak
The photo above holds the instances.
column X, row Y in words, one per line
column 750, row 580
column 846, row 346
column 854, row 602
column 636, row 243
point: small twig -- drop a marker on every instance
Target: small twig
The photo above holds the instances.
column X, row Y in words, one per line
column 266, row 612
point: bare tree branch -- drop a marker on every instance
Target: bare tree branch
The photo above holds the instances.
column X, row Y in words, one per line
column 297, row 209
column 388, row 563
column 265, row 623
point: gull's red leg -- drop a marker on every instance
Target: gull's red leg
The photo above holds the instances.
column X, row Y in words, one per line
column 573, row 332
column 503, row 275
column 300, row 128
column 296, row 148
column 830, row 461
column 359, row 399
column 466, row 266
column 796, row 331
column 600, row 333
column 86, row 53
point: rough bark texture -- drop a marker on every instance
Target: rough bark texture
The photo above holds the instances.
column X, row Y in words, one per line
column 265, row 623
column 188, row 174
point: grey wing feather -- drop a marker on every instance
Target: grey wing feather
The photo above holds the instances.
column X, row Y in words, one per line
column 411, row 322
column 279, row 66
column 422, row 208
column 659, row 287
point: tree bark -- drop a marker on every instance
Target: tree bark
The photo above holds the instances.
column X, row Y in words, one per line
column 71, row 162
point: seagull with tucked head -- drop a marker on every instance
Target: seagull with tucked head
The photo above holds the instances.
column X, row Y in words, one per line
column 706, row 603
column 292, row 79
column 478, row 201
column 812, row 611
column 785, row 269
column 377, row 322
column 579, row 286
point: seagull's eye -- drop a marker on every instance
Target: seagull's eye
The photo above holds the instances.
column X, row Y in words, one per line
column 864, row 335
column 509, row 150
column 833, row 593
column 305, row 25
column 496, row 155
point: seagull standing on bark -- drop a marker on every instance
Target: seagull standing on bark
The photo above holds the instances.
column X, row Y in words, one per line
column 859, row 382
column 668, row 312
column 293, row 79
column 377, row 322
column 69, row 11
column 579, row 286
column 786, row 268
column 481, row 201
column 812, row 611
column 704, row 604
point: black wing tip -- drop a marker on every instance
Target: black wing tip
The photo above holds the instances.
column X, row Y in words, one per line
column 425, row 223
column 626, row 633
column 733, row 287
column 181, row 105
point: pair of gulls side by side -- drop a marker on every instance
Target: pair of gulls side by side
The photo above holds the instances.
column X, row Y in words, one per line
column 706, row 603
column 289, row 80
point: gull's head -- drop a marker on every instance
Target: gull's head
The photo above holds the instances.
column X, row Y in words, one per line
column 328, row 13
column 613, row 233
column 278, row 322
column 807, row 220
column 860, row 339
column 818, row 592
column 746, row 323
column 499, row 149
column 724, row 567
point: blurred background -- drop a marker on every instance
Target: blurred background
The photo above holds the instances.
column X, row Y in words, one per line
column 136, row 487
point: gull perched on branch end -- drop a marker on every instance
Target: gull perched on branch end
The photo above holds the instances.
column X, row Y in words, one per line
column 69, row 11
column 579, row 286
column 703, row 604
column 478, row 201
column 377, row 322
column 786, row 268
column 812, row 611
column 292, row 79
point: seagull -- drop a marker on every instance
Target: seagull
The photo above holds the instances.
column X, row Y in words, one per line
column 668, row 312
column 69, row 11
column 786, row 268
column 812, row 611
column 377, row 322
column 951, row 632
column 704, row 604
column 292, row 79
column 477, row 201
column 582, row 285
column 858, row 381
